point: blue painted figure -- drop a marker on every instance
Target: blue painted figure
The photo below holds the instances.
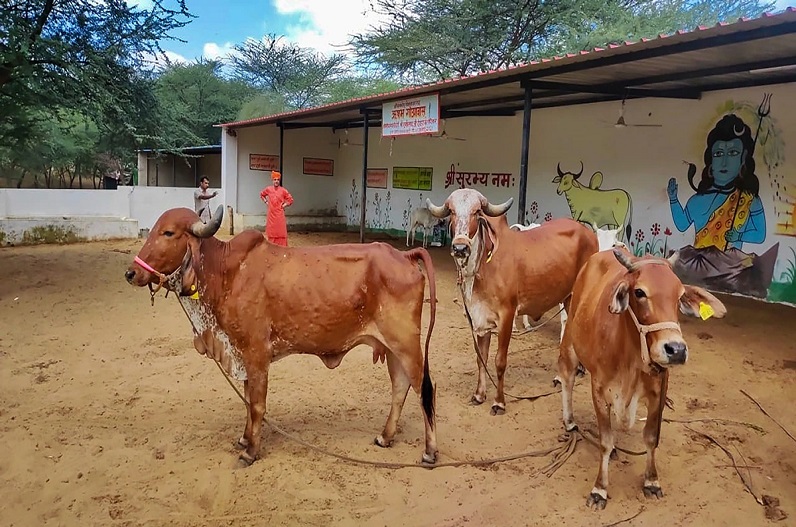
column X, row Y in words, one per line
column 726, row 210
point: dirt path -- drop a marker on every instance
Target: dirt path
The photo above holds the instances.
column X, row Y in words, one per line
column 109, row 417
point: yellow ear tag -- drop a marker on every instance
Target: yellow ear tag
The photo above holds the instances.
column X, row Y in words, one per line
column 195, row 296
column 705, row 311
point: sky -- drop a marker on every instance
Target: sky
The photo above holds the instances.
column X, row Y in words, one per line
column 324, row 25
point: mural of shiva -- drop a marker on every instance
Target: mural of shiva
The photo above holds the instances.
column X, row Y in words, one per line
column 726, row 212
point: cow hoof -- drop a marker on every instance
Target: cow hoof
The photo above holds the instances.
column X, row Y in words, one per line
column 429, row 459
column 581, row 371
column 477, row 399
column 596, row 501
column 570, row 427
column 497, row 409
column 241, row 443
column 652, row 491
column 380, row 441
column 556, row 381
column 245, row 460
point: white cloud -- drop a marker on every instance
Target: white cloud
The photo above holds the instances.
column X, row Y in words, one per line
column 143, row 4
column 159, row 61
column 326, row 24
column 782, row 4
column 213, row 51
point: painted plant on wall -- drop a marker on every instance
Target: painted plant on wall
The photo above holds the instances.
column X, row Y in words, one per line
column 380, row 212
column 726, row 209
column 352, row 208
column 603, row 208
column 532, row 214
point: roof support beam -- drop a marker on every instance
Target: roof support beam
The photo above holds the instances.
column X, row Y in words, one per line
column 492, row 112
column 364, row 199
column 281, row 149
column 526, row 141
column 616, row 90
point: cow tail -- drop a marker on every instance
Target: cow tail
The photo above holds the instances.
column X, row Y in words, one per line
column 427, row 388
column 629, row 220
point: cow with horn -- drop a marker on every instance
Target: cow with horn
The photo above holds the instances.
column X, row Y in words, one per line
column 503, row 272
column 252, row 303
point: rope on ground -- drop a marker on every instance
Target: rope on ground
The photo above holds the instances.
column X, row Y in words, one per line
column 768, row 415
column 747, row 484
column 626, row 519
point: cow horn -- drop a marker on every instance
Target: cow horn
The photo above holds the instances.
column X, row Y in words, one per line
column 206, row 230
column 438, row 211
column 624, row 259
column 672, row 259
column 558, row 169
column 498, row 210
column 576, row 176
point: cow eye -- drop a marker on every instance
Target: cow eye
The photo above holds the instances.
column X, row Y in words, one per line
column 168, row 234
column 640, row 293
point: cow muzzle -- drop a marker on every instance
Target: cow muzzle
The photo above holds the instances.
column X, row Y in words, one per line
column 460, row 249
column 129, row 275
column 673, row 352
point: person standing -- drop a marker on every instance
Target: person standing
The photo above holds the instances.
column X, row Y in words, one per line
column 277, row 199
column 201, row 199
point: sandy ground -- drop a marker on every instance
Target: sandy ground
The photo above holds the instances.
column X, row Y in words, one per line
column 109, row 417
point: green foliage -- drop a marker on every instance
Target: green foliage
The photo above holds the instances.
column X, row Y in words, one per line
column 294, row 73
column 193, row 98
column 426, row 40
column 264, row 103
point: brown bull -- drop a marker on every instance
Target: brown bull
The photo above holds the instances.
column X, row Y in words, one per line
column 623, row 329
column 504, row 273
column 258, row 303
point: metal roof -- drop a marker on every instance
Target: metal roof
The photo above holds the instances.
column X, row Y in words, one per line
column 750, row 52
column 190, row 150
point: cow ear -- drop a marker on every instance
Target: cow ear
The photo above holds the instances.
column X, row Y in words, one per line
column 620, row 298
column 697, row 302
column 557, row 179
column 188, row 272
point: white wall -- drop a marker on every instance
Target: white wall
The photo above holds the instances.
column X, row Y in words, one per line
column 148, row 203
column 314, row 195
column 93, row 214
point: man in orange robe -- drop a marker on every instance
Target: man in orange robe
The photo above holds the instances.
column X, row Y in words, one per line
column 277, row 199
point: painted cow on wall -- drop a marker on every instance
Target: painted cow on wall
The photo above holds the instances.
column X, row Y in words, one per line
column 592, row 205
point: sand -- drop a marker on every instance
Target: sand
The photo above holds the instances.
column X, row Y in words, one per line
column 110, row 417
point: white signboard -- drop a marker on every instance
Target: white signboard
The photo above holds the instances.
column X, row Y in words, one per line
column 418, row 115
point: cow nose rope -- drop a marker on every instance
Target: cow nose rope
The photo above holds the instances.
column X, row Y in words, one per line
column 644, row 329
column 162, row 279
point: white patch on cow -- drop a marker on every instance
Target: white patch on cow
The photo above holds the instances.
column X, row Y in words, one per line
column 625, row 409
column 203, row 319
column 608, row 238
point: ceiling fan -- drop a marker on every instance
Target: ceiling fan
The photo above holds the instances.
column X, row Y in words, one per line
column 620, row 123
column 345, row 141
column 444, row 135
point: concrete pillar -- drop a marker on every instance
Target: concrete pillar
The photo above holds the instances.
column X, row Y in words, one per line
column 229, row 178
column 143, row 169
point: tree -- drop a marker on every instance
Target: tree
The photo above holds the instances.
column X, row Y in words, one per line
column 195, row 97
column 436, row 39
column 427, row 40
column 79, row 55
column 296, row 74
column 587, row 25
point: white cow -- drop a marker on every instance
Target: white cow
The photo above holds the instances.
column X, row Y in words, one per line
column 606, row 239
column 421, row 217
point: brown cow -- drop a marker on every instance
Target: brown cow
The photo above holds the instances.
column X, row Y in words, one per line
column 259, row 302
column 504, row 272
column 623, row 329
